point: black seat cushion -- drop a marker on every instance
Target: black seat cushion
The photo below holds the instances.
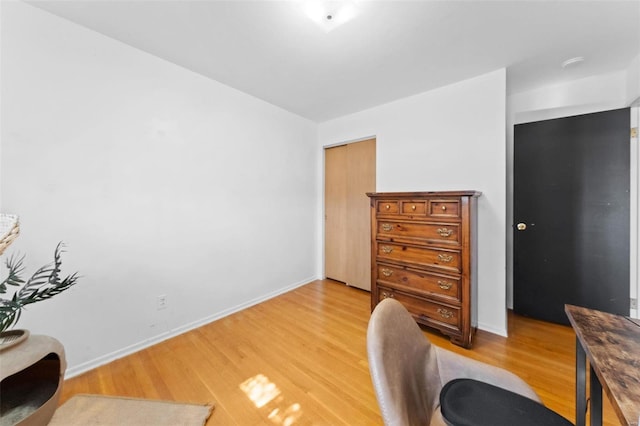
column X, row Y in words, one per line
column 468, row 402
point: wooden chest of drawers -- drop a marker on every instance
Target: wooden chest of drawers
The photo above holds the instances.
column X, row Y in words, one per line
column 424, row 255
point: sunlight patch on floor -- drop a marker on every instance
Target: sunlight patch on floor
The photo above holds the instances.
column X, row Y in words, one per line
column 265, row 394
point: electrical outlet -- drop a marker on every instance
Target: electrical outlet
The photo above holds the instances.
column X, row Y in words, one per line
column 634, row 304
column 161, row 301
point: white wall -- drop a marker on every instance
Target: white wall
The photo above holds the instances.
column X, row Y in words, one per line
column 575, row 97
column 587, row 95
column 452, row 138
column 160, row 182
column 633, row 81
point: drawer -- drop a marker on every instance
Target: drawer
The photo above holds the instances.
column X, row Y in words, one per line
column 385, row 207
column 418, row 208
column 435, row 285
column 448, row 208
column 423, row 310
column 417, row 232
column 446, row 260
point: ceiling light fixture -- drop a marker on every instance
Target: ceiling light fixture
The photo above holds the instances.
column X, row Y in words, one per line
column 572, row 62
column 330, row 14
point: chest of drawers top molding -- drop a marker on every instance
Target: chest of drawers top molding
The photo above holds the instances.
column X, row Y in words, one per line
column 423, row 253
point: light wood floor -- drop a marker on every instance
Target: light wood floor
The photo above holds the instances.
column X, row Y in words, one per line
column 308, row 347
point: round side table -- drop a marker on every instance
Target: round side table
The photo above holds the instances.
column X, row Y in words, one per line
column 31, row 374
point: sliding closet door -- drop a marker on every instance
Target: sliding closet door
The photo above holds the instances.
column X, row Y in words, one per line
column 361, row 178
column 349, row 175
column 335, row 213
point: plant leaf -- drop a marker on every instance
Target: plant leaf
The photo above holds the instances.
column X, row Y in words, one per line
column 43, row 284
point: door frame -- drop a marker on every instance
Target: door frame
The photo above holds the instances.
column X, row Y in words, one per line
column 633, row 209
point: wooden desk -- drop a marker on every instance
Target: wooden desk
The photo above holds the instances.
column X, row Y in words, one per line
column 611, row 343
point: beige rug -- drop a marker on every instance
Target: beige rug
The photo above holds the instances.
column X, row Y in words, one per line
column 90, row 410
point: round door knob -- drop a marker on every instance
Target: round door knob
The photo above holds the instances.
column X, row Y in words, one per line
column 521, row 226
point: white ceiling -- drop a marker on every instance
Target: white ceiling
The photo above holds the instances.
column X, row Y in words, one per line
column 393, row 49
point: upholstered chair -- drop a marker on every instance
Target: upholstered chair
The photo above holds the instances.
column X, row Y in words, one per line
column 408, row 372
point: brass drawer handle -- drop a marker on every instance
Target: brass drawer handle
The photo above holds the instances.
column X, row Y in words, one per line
column 387, row 207
column 387, row 227
column 444, row 285
column 445, row 313
column 386, row 272
column 444, row 232
column 386, row 295
column 387, row 249
column 445, row 258
column 444, row 208
column 413, row 207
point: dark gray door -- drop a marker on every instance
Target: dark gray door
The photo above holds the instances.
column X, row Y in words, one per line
column 571, row 203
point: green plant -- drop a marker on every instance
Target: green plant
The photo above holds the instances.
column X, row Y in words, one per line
column 43, row 284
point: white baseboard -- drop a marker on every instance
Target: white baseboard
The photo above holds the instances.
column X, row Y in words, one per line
column 120, row 353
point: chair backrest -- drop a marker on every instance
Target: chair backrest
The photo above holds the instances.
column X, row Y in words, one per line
column 403, row 366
